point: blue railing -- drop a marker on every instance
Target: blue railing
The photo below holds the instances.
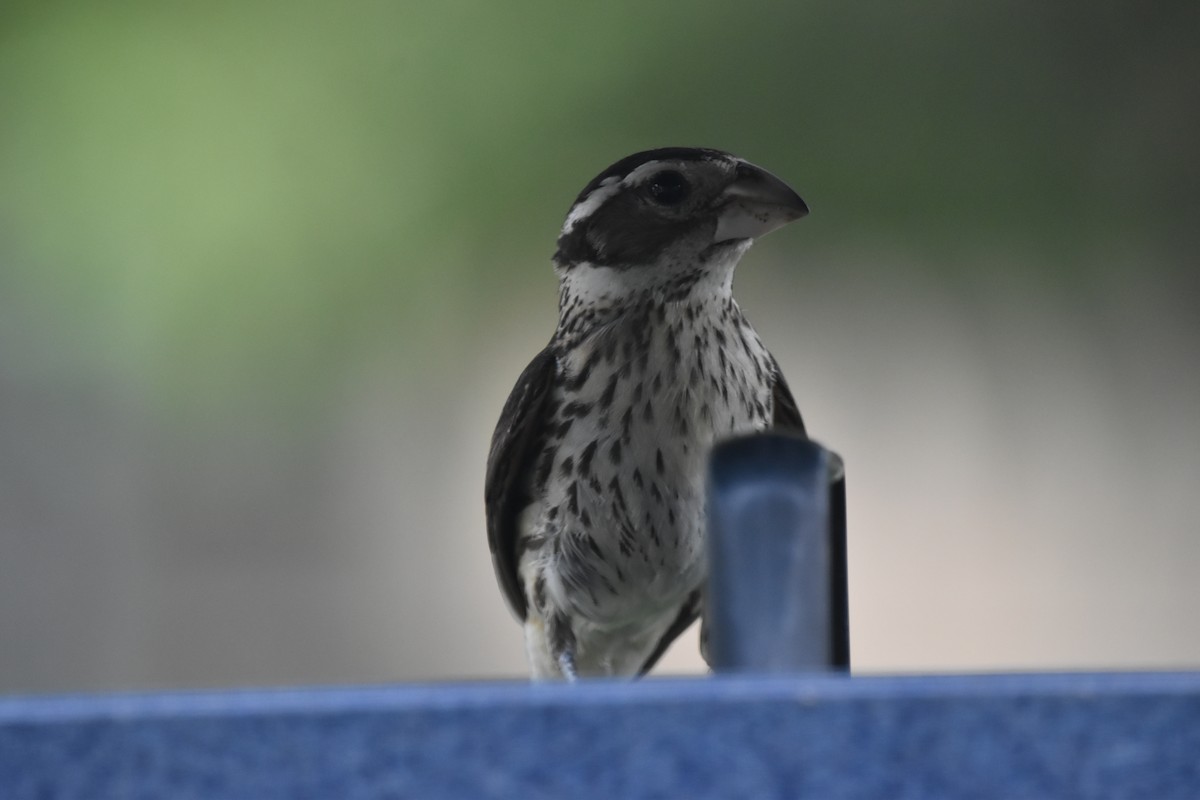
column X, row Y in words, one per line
column 778, row 536
column 1014, row 736
column 777, row 592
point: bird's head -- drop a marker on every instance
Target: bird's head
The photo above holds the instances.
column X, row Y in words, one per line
column 673, row 208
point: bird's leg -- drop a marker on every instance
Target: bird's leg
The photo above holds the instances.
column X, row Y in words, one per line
column 562, row 640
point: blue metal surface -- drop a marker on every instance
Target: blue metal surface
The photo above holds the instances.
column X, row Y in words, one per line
column 777, row 568
column 1016, row 736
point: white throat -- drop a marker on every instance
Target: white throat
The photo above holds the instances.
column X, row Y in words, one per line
column 592, row 285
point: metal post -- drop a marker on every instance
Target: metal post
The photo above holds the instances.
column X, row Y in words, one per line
column 777, row 593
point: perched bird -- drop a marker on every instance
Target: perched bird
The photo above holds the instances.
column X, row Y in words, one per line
column 595, row 478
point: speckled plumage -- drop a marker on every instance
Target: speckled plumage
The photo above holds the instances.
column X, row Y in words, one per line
column 596, row 474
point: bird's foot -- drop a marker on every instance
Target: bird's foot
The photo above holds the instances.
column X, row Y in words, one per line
column 566, row 663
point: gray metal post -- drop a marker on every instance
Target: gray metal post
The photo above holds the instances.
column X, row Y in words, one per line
column 777, row 593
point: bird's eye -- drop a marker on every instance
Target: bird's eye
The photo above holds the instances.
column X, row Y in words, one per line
column 668, row 188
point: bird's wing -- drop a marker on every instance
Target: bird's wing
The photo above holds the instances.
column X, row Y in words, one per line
column 786, row 413
column 508, row 488
column 687, row 615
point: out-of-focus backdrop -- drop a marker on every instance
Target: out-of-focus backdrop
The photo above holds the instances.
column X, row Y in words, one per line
column 268, row 271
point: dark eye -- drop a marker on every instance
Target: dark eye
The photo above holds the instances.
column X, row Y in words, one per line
column 668, row 188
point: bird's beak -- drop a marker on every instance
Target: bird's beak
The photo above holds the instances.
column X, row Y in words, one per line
column 755, row 204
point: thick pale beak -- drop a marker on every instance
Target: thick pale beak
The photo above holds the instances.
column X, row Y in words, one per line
column 756, row 203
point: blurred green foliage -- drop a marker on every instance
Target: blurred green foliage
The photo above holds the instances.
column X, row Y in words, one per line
column 216, row 198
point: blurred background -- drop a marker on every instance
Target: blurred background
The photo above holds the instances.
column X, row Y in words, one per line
column 268, row 271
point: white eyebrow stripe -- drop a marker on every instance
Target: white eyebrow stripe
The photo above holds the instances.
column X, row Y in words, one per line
column 584, row 208
column 610, row 186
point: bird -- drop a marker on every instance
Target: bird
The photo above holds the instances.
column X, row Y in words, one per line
column 594, row 488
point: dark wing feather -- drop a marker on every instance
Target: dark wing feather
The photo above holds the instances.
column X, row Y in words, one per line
column 508, row 488
column 687, row 615
column 786, row 414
